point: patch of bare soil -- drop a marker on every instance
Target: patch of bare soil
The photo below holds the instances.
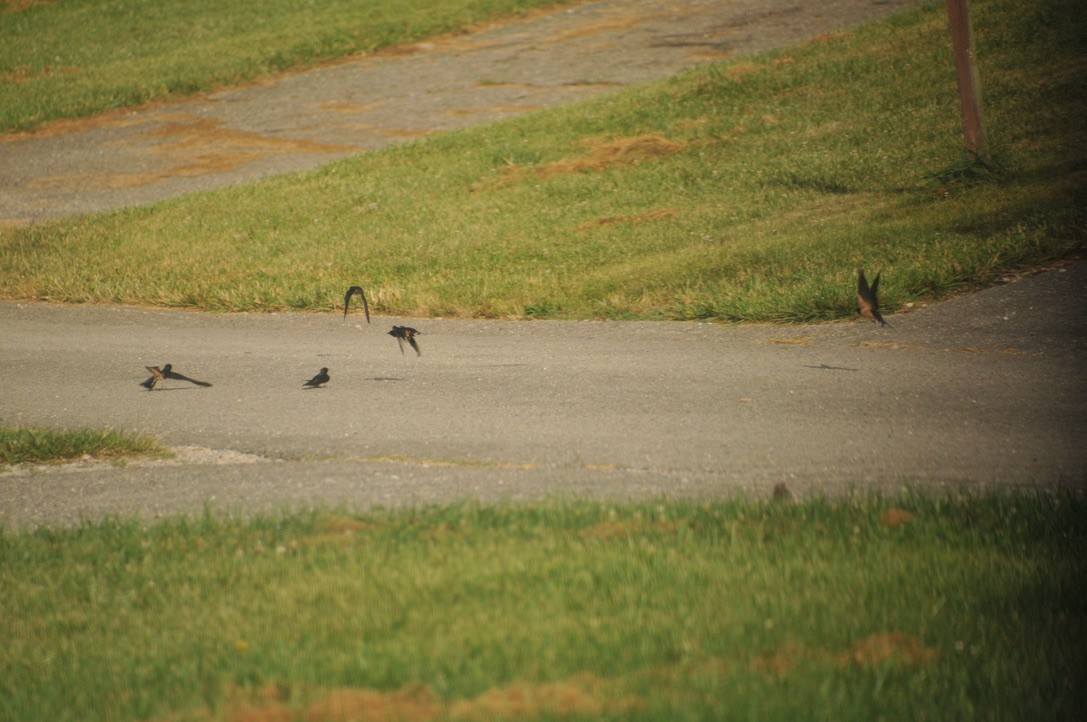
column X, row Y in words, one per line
column 873, row 650
column 601, row 154
column 582, row 695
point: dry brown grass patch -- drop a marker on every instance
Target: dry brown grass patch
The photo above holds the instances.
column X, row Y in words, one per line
column 890, row 646
column 336, row 530
column 739, row 70
column 24, row 73
column 602, row 154
column 894, row 518
column 629, row 527
column 584, row 695
column 634, row 218
column 14, row 6
column 875, row 649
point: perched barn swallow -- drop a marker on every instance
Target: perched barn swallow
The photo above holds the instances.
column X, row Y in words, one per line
column 347, row 301
column 169, row 373
column 406, row 333
column 319, row 380
column 868, row 298
column 154, row 378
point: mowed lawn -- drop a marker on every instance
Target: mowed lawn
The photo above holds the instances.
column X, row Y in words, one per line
column 741, row 191
column 936, row 606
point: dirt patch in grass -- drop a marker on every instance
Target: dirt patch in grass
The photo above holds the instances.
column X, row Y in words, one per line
column 634, row 218
column 628, row 527
column 24, row 73
column 895, row 517
column 14, row 6
column 873, row 650
column 601, row 154
column 611, row 152
column 890, row 647
column 583, row 695
column 336, row 530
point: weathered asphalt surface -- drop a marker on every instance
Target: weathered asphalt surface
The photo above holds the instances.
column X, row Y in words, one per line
column 985, row 390
column 300, row 120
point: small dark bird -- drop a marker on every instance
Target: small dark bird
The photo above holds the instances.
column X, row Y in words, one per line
column 154, row 378
column 868, row 298
column 782, row 494
column 406, row 333
column 347, row 302
column 169, row 373
column 319, row 380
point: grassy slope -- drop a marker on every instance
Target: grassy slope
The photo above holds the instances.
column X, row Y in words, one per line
column 133, row 52
column 740, row 191
column 963, row 608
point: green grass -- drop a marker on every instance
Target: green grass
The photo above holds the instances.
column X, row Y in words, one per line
column 23, row 444
column 74, row 58
column 856, row 608
column 744, row 191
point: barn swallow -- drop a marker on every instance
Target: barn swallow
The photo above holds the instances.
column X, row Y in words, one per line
column 347, row 301
column 406, row 333
column 169, row 373
column 868, row 298
column 319, row 380
column 154, row 378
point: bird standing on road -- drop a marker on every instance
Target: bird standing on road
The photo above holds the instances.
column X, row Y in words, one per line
column 167, row 372
column 347, row 302
column 868, row 298
column 154, row 378
column 406, row 333
column 319, row 380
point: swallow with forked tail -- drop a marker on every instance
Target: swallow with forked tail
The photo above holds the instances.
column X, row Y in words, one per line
column 406, row 333
column 347, row 302
column 319, row 380
column 868, row 298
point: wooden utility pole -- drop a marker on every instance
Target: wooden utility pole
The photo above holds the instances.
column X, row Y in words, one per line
column 962, row 40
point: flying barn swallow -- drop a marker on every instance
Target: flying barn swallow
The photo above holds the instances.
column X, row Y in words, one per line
column 406, row 333
column 347, row 302
column 169, row 373
column 319, row 380
column 154, row 378
column 868, row 298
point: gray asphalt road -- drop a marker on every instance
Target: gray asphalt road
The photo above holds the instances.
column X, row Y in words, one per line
column 988, row 389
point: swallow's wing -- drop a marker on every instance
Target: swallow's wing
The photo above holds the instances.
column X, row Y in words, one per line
column 414, row 345
column 865, row 302
column 864, row 293
column 873, row 295
column 149, row 384
column 347, row 301
column 156, row 372
column 400, row 341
